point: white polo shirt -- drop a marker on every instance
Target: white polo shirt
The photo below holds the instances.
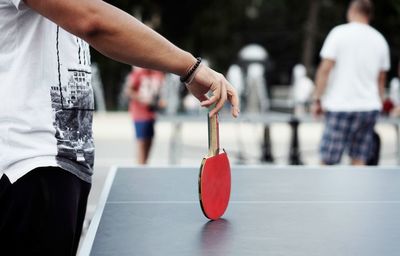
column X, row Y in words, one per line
column 46, row 95
column 360, row 53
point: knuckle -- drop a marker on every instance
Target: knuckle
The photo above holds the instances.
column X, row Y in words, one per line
column 220, row 77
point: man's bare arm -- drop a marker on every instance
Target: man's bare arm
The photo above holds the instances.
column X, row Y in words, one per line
column 121, row 37
column 115, row 33
column 322, row 76
column 382, row 83
column 321, row 80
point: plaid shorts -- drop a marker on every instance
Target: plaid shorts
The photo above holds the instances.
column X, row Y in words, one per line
column 347, row 130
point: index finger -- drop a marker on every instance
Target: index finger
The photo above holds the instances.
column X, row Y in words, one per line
column 221, row 100
column 234, row 100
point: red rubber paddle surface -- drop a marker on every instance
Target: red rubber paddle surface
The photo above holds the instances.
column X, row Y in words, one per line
column 215, row 186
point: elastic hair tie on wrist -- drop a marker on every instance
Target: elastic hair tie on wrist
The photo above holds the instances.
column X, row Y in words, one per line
column 188, row 77
column 191, row 78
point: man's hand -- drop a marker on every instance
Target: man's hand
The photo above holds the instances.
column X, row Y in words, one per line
column 207, row 80
column 316, row 109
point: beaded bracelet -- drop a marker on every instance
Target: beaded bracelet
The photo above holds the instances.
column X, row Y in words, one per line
column 185, row 79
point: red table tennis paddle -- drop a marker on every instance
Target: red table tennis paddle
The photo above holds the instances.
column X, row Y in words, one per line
column 215, row 175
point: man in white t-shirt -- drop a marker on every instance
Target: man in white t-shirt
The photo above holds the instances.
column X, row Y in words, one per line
column 350, row 86
column 46, row 144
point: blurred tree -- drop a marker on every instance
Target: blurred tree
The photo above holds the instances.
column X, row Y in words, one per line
column 291, row 31
column 311, row 28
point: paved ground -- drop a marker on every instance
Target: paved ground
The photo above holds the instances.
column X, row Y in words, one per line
column 114, row 139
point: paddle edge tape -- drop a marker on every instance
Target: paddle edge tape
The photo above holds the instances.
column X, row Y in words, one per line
column 200, row 187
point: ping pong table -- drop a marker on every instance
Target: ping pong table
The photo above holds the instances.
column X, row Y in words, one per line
column 273, row 211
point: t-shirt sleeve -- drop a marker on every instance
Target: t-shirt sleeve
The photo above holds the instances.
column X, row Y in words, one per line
column 19, row 4
column 330, row 48
column 385, row 63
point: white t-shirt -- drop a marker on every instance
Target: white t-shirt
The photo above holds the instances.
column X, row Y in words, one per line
column 47, row 98
column 360, row 53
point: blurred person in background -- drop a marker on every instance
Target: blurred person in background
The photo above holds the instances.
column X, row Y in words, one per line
column 394, row 94
column 144, row 90
column 302, row 88
column 46, row 142
column 350, row 84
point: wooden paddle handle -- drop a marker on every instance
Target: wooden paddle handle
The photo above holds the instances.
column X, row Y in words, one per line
column 213, row 135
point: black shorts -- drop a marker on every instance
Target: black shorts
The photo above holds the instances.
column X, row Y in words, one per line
column 42, row 213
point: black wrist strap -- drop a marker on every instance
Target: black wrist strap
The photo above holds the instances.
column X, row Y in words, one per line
column 185, row 79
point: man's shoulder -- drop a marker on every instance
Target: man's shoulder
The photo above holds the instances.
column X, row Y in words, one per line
column 356, row 29
column 378, row 34
column 340, row 27
column 338, row 30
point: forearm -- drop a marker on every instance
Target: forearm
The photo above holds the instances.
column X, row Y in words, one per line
column 115, row 34
column 321, row 79
column 128, row 40
column 382, row 83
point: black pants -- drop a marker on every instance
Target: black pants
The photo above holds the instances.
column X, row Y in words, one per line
column 42, row 213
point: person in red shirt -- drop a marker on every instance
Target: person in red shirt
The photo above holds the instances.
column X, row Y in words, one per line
column 144, row 87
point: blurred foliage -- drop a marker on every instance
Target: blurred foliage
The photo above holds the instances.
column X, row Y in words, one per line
column 217, row 29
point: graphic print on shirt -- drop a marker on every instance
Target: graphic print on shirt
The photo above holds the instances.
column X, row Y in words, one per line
column 73, row 106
